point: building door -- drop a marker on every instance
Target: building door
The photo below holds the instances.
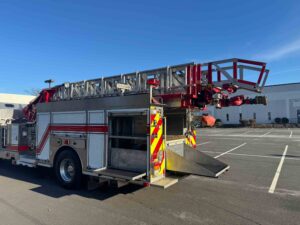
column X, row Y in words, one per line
column 298, row 115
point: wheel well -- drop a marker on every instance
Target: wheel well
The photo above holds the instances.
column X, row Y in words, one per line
column 65, row 148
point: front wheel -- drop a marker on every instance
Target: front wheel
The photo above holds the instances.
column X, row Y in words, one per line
column 68, row 170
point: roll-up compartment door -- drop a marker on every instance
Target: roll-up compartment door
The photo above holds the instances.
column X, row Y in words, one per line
column 96, row 141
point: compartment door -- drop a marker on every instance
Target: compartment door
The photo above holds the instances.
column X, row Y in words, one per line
column 14, row 134
column 96, row 140
column 43, row 131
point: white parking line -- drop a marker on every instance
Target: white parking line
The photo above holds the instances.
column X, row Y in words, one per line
column 204, row 143
column 265, row 134
column 275, row 179
column 230, row 150
column 247, row 132
column 291, row 134
column 259, row 156
column 245, row 136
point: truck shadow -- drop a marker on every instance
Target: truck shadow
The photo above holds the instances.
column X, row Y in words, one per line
column 47, row 185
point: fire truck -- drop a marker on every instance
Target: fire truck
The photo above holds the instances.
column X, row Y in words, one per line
column 134, row 127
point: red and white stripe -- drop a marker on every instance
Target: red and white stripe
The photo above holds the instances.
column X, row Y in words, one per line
column 70, row 128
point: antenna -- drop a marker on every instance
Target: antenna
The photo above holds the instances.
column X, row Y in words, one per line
column 50, row 81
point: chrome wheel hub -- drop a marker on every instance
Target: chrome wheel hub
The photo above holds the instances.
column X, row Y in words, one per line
column 67, row 170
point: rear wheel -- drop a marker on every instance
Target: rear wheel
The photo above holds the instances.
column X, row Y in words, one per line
column 68, row 170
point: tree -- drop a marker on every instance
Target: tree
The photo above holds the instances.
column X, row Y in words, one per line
column 285, row 120
column 33, row 91
column 278, row 120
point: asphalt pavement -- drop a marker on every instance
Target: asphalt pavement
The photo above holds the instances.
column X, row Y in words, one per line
column 262, row 186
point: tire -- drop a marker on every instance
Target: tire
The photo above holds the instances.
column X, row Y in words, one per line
column 68, row 170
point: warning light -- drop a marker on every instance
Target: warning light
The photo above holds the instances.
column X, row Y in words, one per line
column 153, row 82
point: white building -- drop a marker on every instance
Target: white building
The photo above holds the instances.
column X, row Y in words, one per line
column 283, row 101
column 11, row 106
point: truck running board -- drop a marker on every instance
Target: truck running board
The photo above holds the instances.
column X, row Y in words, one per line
column 120, row 174
column 26, row 160
column 195, row 162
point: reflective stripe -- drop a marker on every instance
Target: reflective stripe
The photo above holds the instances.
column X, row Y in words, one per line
column 191, row 139
column 156, row 129
column 70, row 128
column 157, row 155
column 18, row 148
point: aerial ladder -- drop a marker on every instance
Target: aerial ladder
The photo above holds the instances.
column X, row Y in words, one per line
column 187, row 86
column 167, row 92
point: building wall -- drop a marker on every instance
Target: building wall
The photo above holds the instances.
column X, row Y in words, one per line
column 283, row 101
column 11, row 106
column 12, row 101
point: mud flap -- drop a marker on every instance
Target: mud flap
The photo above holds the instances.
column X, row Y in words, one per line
column 195, row 162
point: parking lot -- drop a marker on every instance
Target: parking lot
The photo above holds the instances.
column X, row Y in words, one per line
column 262, row 186
column 255, row 154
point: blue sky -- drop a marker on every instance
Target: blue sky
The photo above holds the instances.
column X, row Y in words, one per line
column 80, row 40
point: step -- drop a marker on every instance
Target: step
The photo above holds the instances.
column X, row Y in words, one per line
column 24, row 163
column 165, row 182
column 27, row 160
column 121, row 174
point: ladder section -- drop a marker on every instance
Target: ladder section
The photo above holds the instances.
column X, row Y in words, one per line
column 172, row 79
column 187, row 78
